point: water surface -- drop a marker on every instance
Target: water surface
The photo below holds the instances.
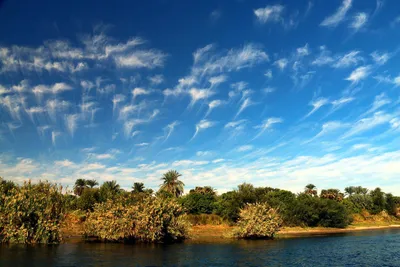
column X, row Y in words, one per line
column 367, row 248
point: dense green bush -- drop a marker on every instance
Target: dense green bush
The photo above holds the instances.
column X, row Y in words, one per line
column 313, row 211
column 88, row 198
column 31, row 213
column 201, row 200
column 257, row 220
column 152, row 220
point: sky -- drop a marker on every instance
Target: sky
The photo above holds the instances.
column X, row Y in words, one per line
column 273, row 93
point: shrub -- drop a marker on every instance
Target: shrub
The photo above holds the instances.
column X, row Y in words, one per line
column 200, row 200
column 311, row 211
column 152, row 220
column 88, row 198
column 258, row 221
column 32, row 214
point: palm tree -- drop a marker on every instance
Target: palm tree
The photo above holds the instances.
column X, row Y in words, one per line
column 91, row 183
column 111, row 186
column 80, row 185
column 350, row 190
column 171, row 183
column 311, row 190
column 138, row 188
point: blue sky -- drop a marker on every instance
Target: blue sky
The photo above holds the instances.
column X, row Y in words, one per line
column 275, row 93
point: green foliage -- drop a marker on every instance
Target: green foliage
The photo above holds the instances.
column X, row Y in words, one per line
column 378, row 201
column 89, row 197
column 172, row 184
column 31, row 213
column 311, row 211
column 258, row 220
column 333, row 194
column 152, row 220
column 200, row 200
column 138, row 188
column 109, row 190
column 391, row 205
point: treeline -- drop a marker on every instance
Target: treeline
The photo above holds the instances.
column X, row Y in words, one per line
column 33, row 213
column 330, row 208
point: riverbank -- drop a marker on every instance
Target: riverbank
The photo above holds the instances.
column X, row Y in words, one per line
column 73, row 229
column 215, row 232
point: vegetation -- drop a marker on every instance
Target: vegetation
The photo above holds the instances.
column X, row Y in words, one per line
column 172, row 184
column 33, row 213
column 258, row 220
column 153, row 220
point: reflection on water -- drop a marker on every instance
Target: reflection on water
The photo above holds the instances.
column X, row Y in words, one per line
column 373, row 248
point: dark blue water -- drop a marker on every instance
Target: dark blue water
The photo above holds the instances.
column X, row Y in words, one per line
column 370, row 248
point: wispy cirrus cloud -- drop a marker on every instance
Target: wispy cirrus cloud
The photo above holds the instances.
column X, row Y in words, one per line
column 269, row 14
column 368, row 123
column 317, row 104
column 169, row 129
column 245, row 104
column 359, row 21
column 201, row 126
column 337, row 17
column 359, row 74
column 267, row 124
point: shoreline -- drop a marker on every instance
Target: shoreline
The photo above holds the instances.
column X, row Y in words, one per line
column 286, row 232
column 221, row 233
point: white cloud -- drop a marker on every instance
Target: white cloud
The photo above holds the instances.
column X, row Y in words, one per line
column 268, row 90
column 65, row 163
column 359, row 74
column 350, row 59
column 380, row 58
column 218, row 160
column 202, row 125
column 217, row 80
column 139, row 91
column 71, row 123
column 141, row 59
column 54, row 89
column 303, row 51
column 169, row 129
column 328, row 128
column 269, row 14
column 338, row 16
column 360, row 146
column 379, row 101
column 109, row 49
column 236, row 125
column 203, row 153
column 245, row 104
column 198, row 94
column 212, row 105
column 317, row 104
column 156, row 79
column 189, row 163
column 359, row 21
column 268, row 74
column 142, row 144
column 267, row 124
column 368, row 123
column 54, row 135
column 281, row 63
column 244, row 148
column 118, row 98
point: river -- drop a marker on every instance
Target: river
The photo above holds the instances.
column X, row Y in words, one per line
column 366, row 248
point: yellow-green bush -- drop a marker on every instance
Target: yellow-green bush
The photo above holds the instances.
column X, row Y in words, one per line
column 152, row 220
column 31, row 213
column 257, row 220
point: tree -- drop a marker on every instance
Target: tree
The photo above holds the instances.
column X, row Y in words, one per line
column 138, row 188
column 311, row 190
column 333, row 194
column 80, row 185
column 391, row 205
column 378, row 200
column 200, row 200
column 350, row 190
column 92, row 183
column 172, row 184
column 109, row 189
